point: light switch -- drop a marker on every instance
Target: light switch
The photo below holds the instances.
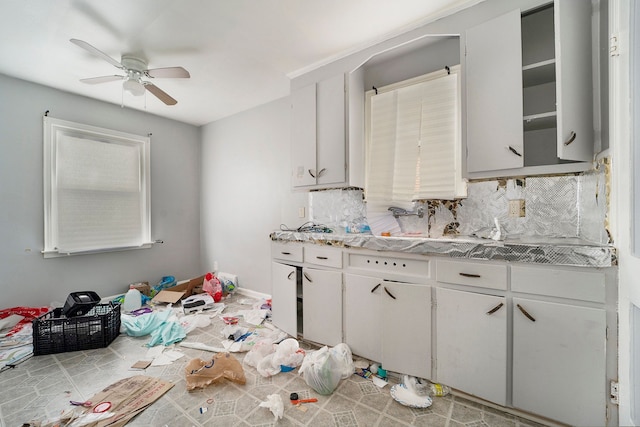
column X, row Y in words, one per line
column 301, row 212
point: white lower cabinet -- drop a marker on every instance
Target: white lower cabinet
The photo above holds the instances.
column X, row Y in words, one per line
column 535, row 338
column 389, row 322
column 471, row 342
column 362, row 320
column 559, row 364
column 284, row 304
column 322, row 305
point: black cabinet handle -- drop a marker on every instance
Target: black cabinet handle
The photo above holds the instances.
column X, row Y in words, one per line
column 306, row 276
column 494, row 309
column 323, row 170
column 572, row 137
column 311, row 173
column 389, row 293
column 322, row 257
column 530, row 317
column 289, row 276
column 514, row 151
column 285, row 253
column 375, row 287
column 475, row 276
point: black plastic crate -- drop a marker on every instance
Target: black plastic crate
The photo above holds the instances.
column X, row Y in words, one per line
column 55, row 333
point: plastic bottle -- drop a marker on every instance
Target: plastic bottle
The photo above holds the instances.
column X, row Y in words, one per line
column 132, row 300
column 439, row 390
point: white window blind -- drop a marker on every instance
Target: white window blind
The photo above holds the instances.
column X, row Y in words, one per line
column 96, row 189
column 413, row 149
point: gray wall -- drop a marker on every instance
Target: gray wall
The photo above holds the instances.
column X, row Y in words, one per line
column 26, row 278
column 246, row 191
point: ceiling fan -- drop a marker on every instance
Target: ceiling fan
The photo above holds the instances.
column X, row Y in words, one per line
column 135, row 69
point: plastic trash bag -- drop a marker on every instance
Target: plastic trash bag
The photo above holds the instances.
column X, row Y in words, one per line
column 259, row 351
column 212, row 286
column 342, row 353
column 289, row 353
column 275, row 405
column 266, row 367
column 323, row 369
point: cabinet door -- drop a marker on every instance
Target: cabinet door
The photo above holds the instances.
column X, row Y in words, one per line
column 494, row 95
column 559, row 367
column 284, row 303
column 362, row 323
column 303, row 135
column 573, row 79
column 330, row 128
column 406, row 328
column 471, row 334
column 322, row 306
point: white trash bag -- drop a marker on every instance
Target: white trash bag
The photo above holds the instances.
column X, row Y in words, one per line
column 259, row 351
column 288, row 353
column 324, row 368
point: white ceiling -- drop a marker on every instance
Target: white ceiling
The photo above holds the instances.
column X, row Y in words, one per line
column 240, row 53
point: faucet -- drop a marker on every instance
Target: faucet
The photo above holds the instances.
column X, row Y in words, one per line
column 398, row 212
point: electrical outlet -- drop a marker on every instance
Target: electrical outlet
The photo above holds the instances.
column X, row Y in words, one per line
column 301, row 213
column 516, row 208
column 614, row 394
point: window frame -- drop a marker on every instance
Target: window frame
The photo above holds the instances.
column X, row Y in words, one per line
column 54, row 131
column 460, row 188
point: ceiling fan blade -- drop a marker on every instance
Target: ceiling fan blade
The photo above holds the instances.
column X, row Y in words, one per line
column 86, row 46
column 168, row 72
column 103, row 79
column 160, row 94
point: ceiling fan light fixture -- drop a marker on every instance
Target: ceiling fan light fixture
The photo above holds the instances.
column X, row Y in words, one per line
column 134, row 87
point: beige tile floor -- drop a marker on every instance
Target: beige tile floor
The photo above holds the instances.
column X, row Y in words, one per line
column 42, row 386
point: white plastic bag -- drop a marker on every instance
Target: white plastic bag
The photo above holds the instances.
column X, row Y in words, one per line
column 288, row 353
column 259, row 351
column 342, row 353
column 322, row 371
column 266, row 366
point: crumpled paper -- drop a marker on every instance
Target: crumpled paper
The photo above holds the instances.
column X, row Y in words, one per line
column 275, row 405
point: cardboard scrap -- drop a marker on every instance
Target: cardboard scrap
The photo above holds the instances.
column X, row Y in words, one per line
column 169, row 297
column 123, row 399
column 141, row 365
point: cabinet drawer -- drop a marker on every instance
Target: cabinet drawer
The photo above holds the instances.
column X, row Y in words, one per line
column 323, row 255
column 586, row 285
column 492, row 276
column 391, row 264
column 290, row 251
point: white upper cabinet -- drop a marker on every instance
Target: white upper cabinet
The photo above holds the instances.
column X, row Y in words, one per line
column 494, row 94
column 318, row 134
column 529, row 92
column 574, row 78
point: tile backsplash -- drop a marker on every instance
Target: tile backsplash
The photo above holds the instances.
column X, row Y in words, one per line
column 564, row 206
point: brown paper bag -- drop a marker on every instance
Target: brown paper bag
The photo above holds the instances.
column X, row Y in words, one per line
column 200, row 373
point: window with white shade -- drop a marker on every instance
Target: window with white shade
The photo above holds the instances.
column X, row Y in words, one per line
column 96, row 189
column 413, row 140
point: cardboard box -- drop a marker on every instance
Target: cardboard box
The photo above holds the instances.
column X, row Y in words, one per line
column 168, row 297
column 189, row 287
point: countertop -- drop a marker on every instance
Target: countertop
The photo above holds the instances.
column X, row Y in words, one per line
column 537, row 250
